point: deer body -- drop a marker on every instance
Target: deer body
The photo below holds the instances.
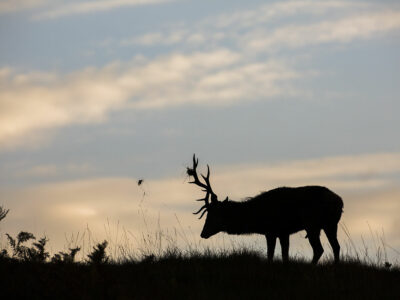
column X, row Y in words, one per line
column 276, row 214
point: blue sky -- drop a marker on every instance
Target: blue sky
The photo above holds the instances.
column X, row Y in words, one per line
column 97, row 94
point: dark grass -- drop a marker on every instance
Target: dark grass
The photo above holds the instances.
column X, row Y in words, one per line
column 239, row 275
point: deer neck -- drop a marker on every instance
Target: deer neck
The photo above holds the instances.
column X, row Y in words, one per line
column 236, row 219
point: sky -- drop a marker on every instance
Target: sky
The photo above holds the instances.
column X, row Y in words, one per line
column 96, row 95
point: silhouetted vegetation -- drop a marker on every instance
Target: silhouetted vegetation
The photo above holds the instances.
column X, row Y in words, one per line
column 28, row 272
column 238, row 275
column 36, row 252
column 63, row 257
column 3, row 212
column 98, row 255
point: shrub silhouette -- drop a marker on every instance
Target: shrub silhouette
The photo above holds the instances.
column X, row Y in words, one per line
column 35, row 253
column 63, row 257
column 98, row 255
column 19, row 250
column 38, row 252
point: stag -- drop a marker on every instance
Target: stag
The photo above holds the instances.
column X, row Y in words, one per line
column 277, row 213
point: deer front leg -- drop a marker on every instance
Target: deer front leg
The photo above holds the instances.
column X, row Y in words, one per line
column 271, row 242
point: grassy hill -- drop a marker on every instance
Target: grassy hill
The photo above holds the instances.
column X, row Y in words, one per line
column 239, row 275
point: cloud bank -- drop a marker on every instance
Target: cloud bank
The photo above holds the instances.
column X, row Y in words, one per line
column 218, row 61
column 36, row 101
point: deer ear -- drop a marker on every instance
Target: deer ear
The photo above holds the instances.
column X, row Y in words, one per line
column 226, row 199
column 214, row 199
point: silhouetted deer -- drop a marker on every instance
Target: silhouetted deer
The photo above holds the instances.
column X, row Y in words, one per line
column 276, row 214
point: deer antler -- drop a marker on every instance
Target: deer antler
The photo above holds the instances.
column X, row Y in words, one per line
column 206, row 186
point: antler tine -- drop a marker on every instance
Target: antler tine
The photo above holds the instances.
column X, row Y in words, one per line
column 193, row 172
column 207, row 179
column 206, row 199
column 195, row 161
column 203, row 207
column 204, row 211
column 206, row 186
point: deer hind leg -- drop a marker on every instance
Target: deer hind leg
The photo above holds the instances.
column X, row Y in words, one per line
column 271, row 242
column 284, row 240
column 313, row 238
column 331, row 234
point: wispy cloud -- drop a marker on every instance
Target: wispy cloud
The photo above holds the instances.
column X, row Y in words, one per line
column 254, row 38
column 53, row 170
column 79, row 7
column 158, row 38
column 7, row 6
column 231, row 25
column 266, row 13
column 343, row 31
column 35, row 101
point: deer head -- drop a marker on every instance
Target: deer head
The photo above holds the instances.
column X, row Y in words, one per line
column 214, row 208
